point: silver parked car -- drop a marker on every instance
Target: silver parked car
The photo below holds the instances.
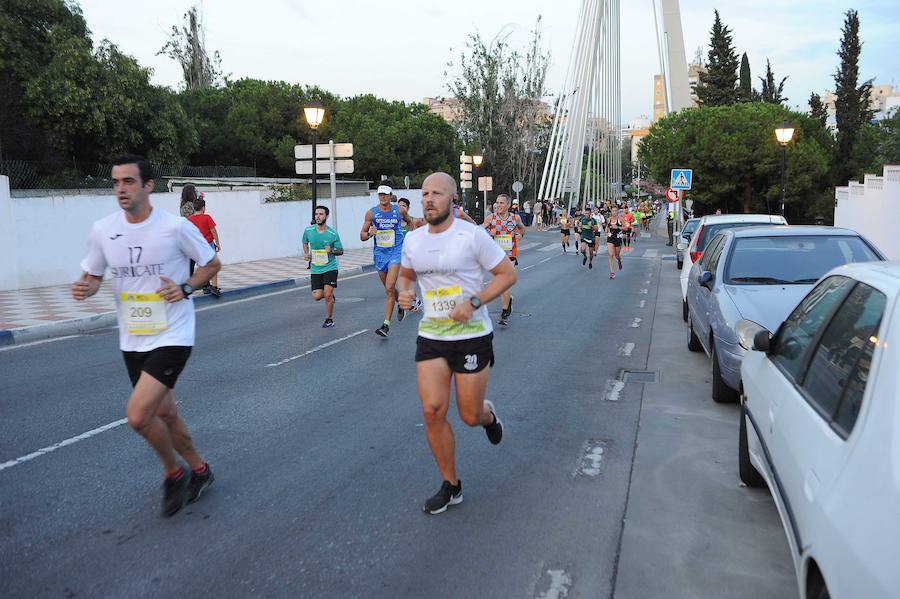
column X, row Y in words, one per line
column 758, row 274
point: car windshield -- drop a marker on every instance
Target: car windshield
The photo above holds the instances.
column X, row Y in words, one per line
column 709, row 231
column 793, row 260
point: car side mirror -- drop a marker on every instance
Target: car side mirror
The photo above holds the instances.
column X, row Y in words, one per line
column 762, row 341
column 705, row 279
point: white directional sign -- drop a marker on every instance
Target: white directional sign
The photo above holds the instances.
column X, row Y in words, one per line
column 465, row 184
column 465, row 176
column 323, row 167
column 323, row 151
column 681, row 178
column 466, row 167
column 485, row 183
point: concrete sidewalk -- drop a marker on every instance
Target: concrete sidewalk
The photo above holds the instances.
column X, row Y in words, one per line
column 691, row 530
column 45, row 312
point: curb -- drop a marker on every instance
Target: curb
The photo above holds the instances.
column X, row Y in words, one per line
column 79, row 326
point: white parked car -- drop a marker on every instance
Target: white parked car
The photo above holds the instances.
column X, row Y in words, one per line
column 706, row 230
column 820, row 425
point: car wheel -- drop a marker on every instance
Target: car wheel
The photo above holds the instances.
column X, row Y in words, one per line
column 750, row 476
column 721, row 392
column 693, row 340
column 684, row 310
column 679, row 264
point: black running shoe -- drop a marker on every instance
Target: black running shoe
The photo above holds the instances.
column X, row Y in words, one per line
column 174, row 494
column 207, row 289
column 590, row 265
column 199, row 483
column 328, row 323
column 447, row 496
column 584, row 261
column 383, row 330
column 503, row 322
column 494, row 431
column 216, row 292
column 401, row 314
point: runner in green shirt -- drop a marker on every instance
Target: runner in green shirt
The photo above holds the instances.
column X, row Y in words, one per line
column 321, row 244
column 588, row 227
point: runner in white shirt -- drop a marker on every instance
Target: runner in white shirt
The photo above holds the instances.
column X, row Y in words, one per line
column 450, row 258
column 146, row 252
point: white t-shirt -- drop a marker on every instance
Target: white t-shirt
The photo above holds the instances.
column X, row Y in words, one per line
column 450, row 268
column 136, row 255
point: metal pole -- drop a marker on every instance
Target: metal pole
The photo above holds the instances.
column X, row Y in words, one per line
column 314, row 190
column 334, row 217
column 783, row 155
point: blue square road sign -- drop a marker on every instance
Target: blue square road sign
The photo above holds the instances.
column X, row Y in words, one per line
column 681, row 178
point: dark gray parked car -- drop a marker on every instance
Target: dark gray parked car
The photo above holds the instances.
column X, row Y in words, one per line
column 758, row 274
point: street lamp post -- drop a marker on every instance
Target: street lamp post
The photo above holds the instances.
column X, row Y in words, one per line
column 477, row 159
column 784, row 134
column 315, row 114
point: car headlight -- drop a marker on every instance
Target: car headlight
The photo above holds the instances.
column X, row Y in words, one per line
column 745, row 331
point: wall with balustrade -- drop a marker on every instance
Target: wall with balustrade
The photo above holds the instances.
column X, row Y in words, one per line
column 873, row 209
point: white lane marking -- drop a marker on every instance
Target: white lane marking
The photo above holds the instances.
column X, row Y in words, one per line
column 643, row 292
column 537, row 263
column 55, row 446
column 642, row 304
column 647, row 282
column 41, row 342
column 592, row 455
column 528, row 246
column 625, row 349
column 651, row 253
column 636, row 323
column 317, row 348
column 551, row 247
column 613, row 390
column 560, row 581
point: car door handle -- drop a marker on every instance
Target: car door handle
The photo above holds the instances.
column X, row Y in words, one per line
column 811, row 485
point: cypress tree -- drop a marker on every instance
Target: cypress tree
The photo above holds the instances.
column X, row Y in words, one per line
column 852, row 110
column 771, row 93
column 718, row 86
column 817, row 109
column 746, row 85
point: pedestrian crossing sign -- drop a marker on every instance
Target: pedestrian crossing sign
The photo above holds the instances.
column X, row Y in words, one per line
column 681, row 178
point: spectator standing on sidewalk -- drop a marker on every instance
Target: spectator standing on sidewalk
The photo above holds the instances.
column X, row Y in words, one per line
column 527, row 209
column 207, row 227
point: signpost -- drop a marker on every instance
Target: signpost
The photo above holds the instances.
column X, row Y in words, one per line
column 517, row 187
column 671, row 195
column 680, row 180
column 307, row 154
column 485, row 184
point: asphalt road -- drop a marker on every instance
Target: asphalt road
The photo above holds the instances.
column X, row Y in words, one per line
column 320, row 457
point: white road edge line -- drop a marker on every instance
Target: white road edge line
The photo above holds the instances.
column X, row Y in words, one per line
column 537, row 263
column 41, row 342
column 613, row 389
column 317, row 348
column 642, row 304
column 625, row 349
column 560, row 581
column 636, row 323
column 55, row 446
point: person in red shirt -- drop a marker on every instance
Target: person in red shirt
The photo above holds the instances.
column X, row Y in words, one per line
column 207, row 227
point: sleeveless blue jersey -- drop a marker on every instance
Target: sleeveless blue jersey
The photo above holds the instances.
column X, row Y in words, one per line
column 389, row 219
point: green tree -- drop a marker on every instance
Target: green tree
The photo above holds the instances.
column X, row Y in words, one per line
column 736, row 159
column 717, row 86
column 888, row 142
column 500, row 90
column 746, row 83
column 852, row 110
column 817, row 109
column 395, row 139
column 772, row 93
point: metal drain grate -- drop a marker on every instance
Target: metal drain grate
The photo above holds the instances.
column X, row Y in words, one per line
column 640, row 376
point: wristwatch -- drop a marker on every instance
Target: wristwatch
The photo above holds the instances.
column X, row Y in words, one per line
column 187, row 290
column 476, row 303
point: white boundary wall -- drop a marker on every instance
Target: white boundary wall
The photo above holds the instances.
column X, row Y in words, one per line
column 872, row 209
column 42, row 239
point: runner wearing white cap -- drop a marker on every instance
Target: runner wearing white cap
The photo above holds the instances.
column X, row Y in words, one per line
column 383, row 222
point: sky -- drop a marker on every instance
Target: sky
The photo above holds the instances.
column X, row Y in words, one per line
column 400, row 49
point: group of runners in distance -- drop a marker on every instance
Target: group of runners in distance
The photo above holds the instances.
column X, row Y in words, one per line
column 436, row 265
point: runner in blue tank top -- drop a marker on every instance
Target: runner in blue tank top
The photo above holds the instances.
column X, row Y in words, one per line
column 383, row 222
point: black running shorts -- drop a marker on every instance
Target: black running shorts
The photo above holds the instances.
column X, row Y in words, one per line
column 614, row 239
column 163, row 363
column 466, row 356
column 319, row 281
column 564, row 231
